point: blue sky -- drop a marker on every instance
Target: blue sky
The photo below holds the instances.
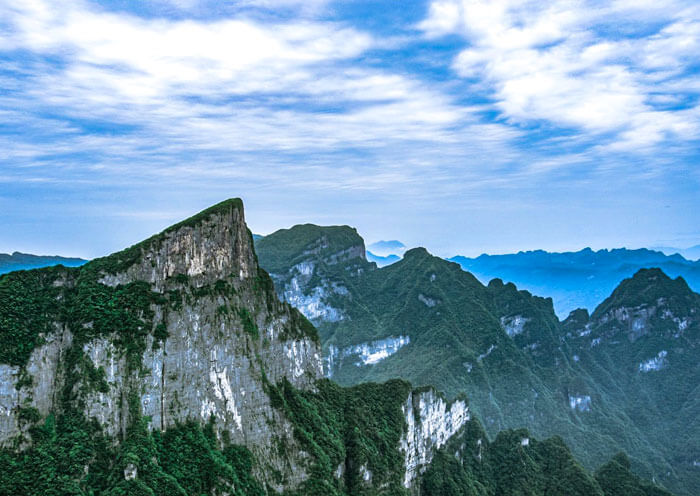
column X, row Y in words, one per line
column 465, row 126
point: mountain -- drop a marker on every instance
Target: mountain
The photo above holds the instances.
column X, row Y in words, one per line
column 387, row 248
column 690, row 253
column 576, row 279
column 382, row 261
column 25, row 261
column 172, row 368
column 641, row 346
column 426, row 320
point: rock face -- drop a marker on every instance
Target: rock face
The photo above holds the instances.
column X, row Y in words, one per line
column 431, row 421
column 216, row 247
column 226, row 335
column 365, row 353
column 313, row 266
column 185, row 326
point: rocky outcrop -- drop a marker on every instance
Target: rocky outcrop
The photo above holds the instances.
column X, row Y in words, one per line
column 368, row 353
column 310, row 266
column 431, row 421
column 208, row 345
column 219, row 333
column 212, row 247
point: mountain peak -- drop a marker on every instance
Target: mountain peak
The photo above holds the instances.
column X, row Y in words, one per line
column 648, row 287
column 285, row 248
column 210, row 245
column 386, row 248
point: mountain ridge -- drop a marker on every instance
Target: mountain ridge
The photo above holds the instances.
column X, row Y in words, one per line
column 581, row 279
column 173, row 368
column 25, row 261
column 426, row 320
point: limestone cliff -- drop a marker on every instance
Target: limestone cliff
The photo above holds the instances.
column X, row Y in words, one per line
column 185, row 326
column 216, row 332
column 313, row 266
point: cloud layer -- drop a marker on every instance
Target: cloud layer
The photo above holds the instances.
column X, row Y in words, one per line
column 459, row 105
column 599, row 68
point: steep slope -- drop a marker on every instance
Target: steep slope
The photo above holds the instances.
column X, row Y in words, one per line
column 26, row 261
column 641, row 345
column 172, row 368
column 425, row 320
column 181, row 326
column 313, row 266
column 576, row 279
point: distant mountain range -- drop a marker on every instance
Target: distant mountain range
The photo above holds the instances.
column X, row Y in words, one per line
column 623, row 377
column 25, row 261
column 579, row 279
column 386, row 248
column 385, row 253
column 691, row 253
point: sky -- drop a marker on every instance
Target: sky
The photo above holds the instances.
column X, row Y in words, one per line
column 465, row 126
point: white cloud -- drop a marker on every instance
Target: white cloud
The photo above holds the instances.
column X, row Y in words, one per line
column 554, row 62
column 229, row 85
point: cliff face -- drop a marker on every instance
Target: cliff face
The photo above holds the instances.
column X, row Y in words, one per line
column 431, row 422
column 185, row 326
column 314, row 268
column 216, row 333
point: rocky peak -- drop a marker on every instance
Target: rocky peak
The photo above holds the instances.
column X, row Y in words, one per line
column 647, row 288
column 416, row 254
column 212, row 245
column 578, row 317
column 183, row 325
column 283, row 249
column 648, row 300
column 312, row 265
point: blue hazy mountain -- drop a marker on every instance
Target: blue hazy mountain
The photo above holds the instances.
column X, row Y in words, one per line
column 385, row 253
column 579, row 279
column 25, row 261
column 382, row 261
column 386, row 248
column 690, row 253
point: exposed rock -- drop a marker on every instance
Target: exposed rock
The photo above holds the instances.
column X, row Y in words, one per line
column 580, row 403
column 431, row 421
column 368, row 353
column 208, row 367
column 656, row 363
column 514, row 325
column 130, row 472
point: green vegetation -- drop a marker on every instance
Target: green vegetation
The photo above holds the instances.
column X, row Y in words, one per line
column 616, row 480
column 72, row 457
column 516, row 464
column 528, row 378
column 29, row 305
column 645, row 288
column 282, row 249
column 353, row 428
column 249, row 325
column 359, row 429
